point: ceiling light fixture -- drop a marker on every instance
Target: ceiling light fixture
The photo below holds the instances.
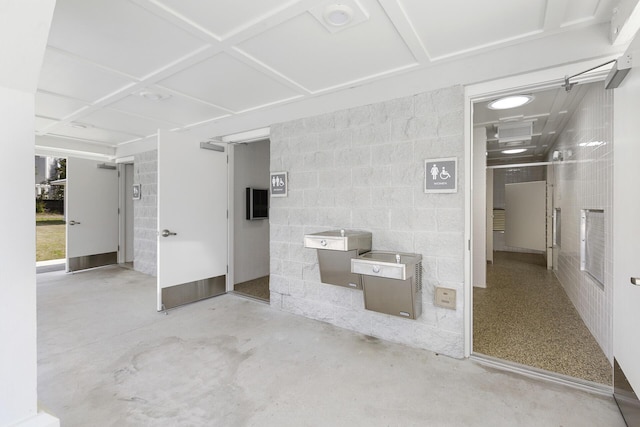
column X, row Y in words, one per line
column 514, row 151
column 78, row 125
column 153, row 96
column 338, row 15
column 511, row 101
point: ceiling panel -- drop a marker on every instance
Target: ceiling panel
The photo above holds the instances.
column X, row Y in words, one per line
column 174, row 109
column 108, row 118
column 228, row 83
column 56, row 107
column 91, row 134
column 43, row 122
column 236, row 15
column 581, row 10
column 306, row 52
column 118, row 34
column 64, row 75
column 452, row 26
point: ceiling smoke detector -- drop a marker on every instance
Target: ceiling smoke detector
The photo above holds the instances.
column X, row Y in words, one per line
column 338, row 15
column 153, row 96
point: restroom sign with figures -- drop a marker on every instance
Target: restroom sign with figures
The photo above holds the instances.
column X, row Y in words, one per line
column 278, row 184
column 440, row 175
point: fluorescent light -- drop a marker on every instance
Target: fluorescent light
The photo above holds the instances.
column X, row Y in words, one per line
column 591, row 144
column 514, row 151
column 512, row 101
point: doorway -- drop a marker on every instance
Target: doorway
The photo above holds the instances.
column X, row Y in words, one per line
column 251, row 228
column 530, row 312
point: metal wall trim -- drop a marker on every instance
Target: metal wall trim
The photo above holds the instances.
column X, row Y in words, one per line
column 92, row 261
column 186, row 293
column 625, row 397
column 539, row 374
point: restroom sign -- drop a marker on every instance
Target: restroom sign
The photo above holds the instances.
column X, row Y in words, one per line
column 278, row 184
column 440, row 175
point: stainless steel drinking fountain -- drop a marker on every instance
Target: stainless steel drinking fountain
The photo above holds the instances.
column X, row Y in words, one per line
column 336, row 249
column 392, row 282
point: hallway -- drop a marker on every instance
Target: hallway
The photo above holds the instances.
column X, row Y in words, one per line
column 106, row 357
column 524, row 316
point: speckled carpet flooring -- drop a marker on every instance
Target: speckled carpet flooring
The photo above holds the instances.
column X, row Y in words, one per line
column 256, row 288
column 525, row 316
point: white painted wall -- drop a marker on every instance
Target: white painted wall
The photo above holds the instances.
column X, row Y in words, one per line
column 24, row 26
column 502, row 177
column 251, row 238
column 525, row 215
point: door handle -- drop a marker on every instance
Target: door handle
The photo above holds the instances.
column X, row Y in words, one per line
column 72, row 222
column 635, row 281
column 167, row 233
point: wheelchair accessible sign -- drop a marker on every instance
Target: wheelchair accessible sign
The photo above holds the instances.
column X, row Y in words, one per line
column 440, row 175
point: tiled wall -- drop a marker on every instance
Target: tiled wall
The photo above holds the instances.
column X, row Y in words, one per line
column 501, row 177
column 145, row 213
column 362, row 168
column 584, row 181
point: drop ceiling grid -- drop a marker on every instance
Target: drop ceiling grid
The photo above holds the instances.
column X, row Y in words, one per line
column 135, row 125
column 224, row 81
column 120, row 35
column 460, row 27
column 55, row 106
column 177, row 109
column 224, row 18
column 578, row 11
column 73, row 78
column 306, row 53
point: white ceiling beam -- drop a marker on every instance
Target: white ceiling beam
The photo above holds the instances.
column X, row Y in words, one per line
column 403, row 25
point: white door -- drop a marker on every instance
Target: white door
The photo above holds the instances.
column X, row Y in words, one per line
column 92, row 214
column 525, row 215
column 192, row 220
column 626, row 226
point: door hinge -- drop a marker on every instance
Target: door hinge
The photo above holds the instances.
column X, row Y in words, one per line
column 118, row 211
column 227, row 213
column 227, row 159
column 469, row 244
column 118, row 174
column 227, row 268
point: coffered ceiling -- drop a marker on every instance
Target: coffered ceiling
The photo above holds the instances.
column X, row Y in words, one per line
column 115, row 71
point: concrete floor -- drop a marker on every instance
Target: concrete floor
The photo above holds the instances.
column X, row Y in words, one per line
column 107, row 358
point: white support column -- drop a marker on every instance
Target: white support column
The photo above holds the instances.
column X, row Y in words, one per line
column 24, row 27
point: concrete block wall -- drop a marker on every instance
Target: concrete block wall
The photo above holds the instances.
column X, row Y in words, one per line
column 145, row 213
column 363, row 168
column 584, row 180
